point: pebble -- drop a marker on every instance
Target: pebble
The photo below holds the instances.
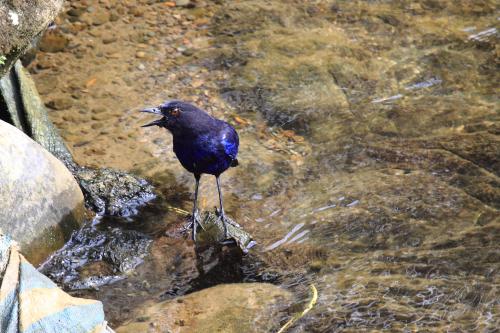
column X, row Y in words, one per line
column 75, row 12
column 140, row 54
column 188, row 52
column 169, row 21
column 197, row 83
column 99, row 109
column 109, row 39
column 60, row 103
column 53, row 42
column 182, row 3
column 95, row 33
column 100, row 17
column 136, row 11
column 44, row 63
column 114, row 16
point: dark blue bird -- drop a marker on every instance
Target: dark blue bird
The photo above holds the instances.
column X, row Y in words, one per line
column 202, row 143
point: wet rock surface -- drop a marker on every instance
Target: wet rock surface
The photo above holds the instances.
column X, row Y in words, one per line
column 113, row 192
column 41, row 202
column 369, row 150
column 96, row 256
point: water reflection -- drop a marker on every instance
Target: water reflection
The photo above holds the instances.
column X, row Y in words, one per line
column 288, row 235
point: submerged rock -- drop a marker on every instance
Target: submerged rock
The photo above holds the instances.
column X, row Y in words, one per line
column 242, row 307
column 41, row 202
column 96, row 256
column 53, row 41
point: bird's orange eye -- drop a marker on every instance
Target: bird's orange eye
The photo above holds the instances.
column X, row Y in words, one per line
column 175, row 112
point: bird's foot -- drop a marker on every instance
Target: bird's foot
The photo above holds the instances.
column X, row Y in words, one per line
column 225, row 222
column 193, row 224
column 226, row 219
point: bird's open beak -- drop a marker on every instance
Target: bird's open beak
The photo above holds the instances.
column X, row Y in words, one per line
column 157, row 122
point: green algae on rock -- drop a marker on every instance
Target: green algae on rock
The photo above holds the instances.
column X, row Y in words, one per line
column 28, row 113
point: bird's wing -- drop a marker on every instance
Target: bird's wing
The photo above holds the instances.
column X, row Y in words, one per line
column 213, row 152
column 230, row 142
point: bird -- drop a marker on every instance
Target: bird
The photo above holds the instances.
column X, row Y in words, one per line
column 202, row 143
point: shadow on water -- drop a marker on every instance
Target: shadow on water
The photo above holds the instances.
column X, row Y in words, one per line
column 125, row 261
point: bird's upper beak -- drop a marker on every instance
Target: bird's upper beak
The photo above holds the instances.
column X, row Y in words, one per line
column 157, row 122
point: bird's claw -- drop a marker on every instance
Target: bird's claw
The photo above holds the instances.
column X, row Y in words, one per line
column 225, row 221
column 223, row 217
column 189, row 226
column 193, row 224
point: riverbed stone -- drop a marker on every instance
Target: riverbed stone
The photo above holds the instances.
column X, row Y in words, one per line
column 182, row 3
column 241, row 307
column 61, row 103
column 41, row 201
column 53, row 41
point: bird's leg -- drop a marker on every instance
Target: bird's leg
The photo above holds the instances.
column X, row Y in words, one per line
column 195, row 222
column 221, row 207
column 222, row 216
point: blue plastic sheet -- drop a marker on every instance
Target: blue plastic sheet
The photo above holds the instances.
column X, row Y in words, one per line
column 31, row 303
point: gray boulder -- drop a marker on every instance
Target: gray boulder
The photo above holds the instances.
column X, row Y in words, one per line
column 40, row 201
column 20, row 23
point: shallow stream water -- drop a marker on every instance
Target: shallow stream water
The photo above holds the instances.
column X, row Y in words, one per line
column 369, row 156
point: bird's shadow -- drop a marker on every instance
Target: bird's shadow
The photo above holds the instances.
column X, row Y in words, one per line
column 217, row 264
column 223, row 264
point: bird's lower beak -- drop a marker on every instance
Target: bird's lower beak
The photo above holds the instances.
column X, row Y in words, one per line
column 157, row 122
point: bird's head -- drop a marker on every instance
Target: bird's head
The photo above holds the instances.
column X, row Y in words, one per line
column 175, row 115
